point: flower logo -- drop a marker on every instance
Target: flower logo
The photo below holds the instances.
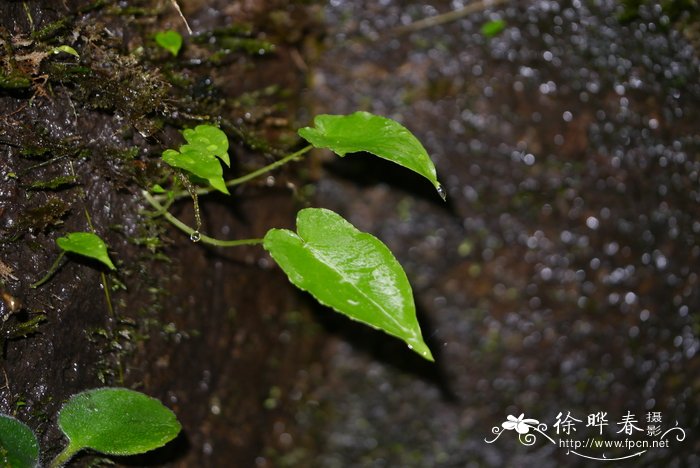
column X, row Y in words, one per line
column 520, row 424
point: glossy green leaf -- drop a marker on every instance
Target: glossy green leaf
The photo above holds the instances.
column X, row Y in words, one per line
column 67, row 49
column 198, row 157
column 207, row 139
column 204, row 166
column 170, row 41
column 493, row 28
column 18, row 445
column 86, row 244
column 116, row 421
column 373, row 134
column 350, row 271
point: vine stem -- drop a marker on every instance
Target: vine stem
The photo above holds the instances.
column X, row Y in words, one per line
column 54, row 268
column 103, row 277
column 250, row 176
column 179, row 12
column 269, row 167
column 188, row 230
column 448, row 17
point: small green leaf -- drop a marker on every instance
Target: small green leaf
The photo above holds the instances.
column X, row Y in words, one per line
column 351, row 271
column 199, row 164
column 207, row 139
column 157, row 188
column 18, row 445
column 380, row 136
column 170, row 41
column 67, row 49
column 493, row 28
column 116, row 421
column 204, row 144
column 86, row 244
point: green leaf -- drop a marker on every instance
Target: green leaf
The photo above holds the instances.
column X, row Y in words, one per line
column 380, row 136
column 493, row 28
column 18, row 445
column 116, row 421
column 170, row 41
column 204, row 144
column 86, row 244
column 351, row 271
column 67, row 49
column 208, row 140
column 201, row 165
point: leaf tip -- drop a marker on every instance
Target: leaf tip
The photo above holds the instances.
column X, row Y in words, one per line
column 306, row 133
column 220, row 185
column 419, row 347
column 441, row 191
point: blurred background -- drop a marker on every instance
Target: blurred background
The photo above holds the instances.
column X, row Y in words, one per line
column 562, row 273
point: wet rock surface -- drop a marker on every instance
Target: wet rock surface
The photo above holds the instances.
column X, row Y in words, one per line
column 561, row 276
column 218, row 336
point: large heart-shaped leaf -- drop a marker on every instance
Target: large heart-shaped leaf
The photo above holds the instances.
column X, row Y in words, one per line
column 86, row 244
column 199, row 164
column 18, row 445
column 374, row 134
column 350, row 271
column 116, row 421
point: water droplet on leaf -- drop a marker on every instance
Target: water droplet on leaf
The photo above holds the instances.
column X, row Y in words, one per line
column 442, row 192
column 195, row 236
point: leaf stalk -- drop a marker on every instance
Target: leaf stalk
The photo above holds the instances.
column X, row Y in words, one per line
column 188, row 230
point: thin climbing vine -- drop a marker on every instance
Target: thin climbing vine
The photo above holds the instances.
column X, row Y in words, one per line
column 352, row 272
